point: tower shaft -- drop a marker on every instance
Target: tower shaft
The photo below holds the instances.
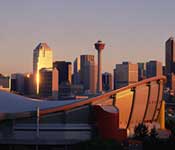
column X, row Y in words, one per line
column 99, row 77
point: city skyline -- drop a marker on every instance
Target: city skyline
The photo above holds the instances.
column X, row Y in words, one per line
column 71, row 28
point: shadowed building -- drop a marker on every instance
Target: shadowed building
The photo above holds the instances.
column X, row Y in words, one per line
column 125, row 74
column 76, row 75
column 65, row 71
column 170, row 62
column 42, row 58
column 107, row 81
column 48, row 86
column 170, row 56
column 141, row 71
column 153, row 68
column 17, row 83
column 5, row 82
column 45, row 86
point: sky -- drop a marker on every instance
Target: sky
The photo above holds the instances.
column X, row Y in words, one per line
column 133, row 30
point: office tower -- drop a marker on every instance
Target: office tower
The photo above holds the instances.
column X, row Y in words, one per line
column 170, row 56
column 17, row 83
column 29, row 84
column 5, row 82
column 99, row 46
column 107, row 81
column 170, row 62
column 141, row 71
column 55, row 85
column 125, row 74
column 65, row 71
column 153, row 68
column 88, row 73
column 45, row 85
column 42, row 58
column 76, row 75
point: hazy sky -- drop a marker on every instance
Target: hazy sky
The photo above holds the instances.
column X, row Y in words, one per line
column 133, row 30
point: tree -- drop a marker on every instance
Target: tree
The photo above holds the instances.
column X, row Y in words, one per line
column 153, row 133
column 140, row 131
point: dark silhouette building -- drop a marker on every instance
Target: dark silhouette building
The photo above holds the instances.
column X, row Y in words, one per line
column 141, row 71
column 65, row 71
column 107, row 81
column 45, row 86
column 153, row 68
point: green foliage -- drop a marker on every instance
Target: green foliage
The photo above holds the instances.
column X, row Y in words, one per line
column 153, row 134
column 170, row 124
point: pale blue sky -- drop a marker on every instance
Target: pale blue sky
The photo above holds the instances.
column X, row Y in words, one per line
column 133, row 30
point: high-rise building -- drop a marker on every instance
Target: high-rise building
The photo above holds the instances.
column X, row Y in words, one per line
column 88, row 73
column 153, row 68
column 45, row 86
column 5, row 83
column 65, row 71
column 107, row 81
column 17, row 83
column 55, row 85
column 42, row 58
column 48, row 87
column 76, row 75
column 125, row 74
column 170, row 62
column 99, row 46
column 141, row 71
column 170, row 55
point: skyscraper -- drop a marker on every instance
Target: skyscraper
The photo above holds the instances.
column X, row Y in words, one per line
column 170, row 56
column 65, row 71
column 170, row 62
column 42, row 58
column 125, row 74
column 107, row 81
column 141, row 71
column 5, row 82
column 76, row 75
column 153, row 68
column 88, row 73
column 45, row 86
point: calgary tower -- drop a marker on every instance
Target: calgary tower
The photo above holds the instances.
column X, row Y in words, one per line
column 99, row 46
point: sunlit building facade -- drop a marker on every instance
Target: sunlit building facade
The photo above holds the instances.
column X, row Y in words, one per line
column 125, row 74
column 88, row 73
column 42, row 58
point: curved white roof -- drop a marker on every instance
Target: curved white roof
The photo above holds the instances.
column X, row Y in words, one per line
column 12, row 103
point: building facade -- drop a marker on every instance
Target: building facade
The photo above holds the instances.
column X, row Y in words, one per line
column 5, row 82
column 42, row 58
column 125, row 74
column 65, row 71
column 153, row 68
column 141, row 71
column 107, row 81
column 76, row 74
column 88, row 73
